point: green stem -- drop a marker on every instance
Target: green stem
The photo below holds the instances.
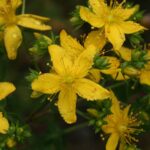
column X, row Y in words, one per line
column 116, row 85
column 71, row 129
column 80, row 113
column 23, row 6
column 76, row 127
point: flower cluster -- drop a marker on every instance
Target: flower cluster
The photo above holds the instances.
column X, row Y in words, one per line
column 90, row 69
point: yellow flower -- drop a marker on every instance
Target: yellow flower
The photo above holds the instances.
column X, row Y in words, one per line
column 120, row 125
column 4, row 125
column 69, row 79
column 111, row 19
column 73, row 48
column 11, row 142
column 143, row 74
column 5, row 89
column 11, row 21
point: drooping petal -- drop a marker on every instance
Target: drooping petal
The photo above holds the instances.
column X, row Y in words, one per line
column 115, row 35
column 94, row 75
column 112, row 142
column 145, row 77
column 90, row 90
column 67, row 105
column 114, row 64
column 5, row 89
column 99, row 7
column 4, row 124
column 12, row 40
column 72, row 47
column 129, row 27
column 33, row 22
column 47, row 83
column 90, row 17
column 84, row 62
column 62, row 63
column 124, row 53
column 97, row 38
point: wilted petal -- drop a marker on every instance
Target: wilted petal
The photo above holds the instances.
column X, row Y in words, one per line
column 47, row 83
column 90, row 90
column 67, row 105
column 5, row 89
column 12, row 40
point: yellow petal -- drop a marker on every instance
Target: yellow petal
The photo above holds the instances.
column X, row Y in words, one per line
column 129, row 27
column 67, row 105
column 112, row 142
column 94, row 75
column 115, row 108
column 12, row 39
column 72, row 47
column 4, row 125
column 5, row 89
column 98, row 6
column 126, row 13
column 33, row 22
column 124, row 53
column 47, row 83
column 109, row 127
column 114, row 64
column 61, row 61
column 119, row 76
column 84, row 62
column 115, row 35
column 96, row 38
column 145, row 77
column 90, row 17
column 16, row 3
column 90, row 90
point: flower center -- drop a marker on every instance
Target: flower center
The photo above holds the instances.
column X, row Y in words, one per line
column 122, row 128
column 68, row 79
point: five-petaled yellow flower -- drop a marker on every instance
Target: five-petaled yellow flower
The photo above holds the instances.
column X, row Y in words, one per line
column 73, row 48
column 111, row 20
column 120, row 125
column 68, row 77
column 4, row 125
column 10, row 21
column 5, row 89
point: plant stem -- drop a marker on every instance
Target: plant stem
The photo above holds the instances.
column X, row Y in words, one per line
column 23, row 6
column 82, row 114
column 76, row 127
